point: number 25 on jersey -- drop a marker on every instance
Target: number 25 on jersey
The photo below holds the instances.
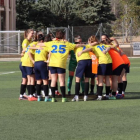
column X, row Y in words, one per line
column 61, row 49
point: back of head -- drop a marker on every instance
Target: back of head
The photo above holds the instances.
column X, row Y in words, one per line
column 40, row 37
column 60, row 34
column 93, row 39
column 77, row 38
column 48, row 38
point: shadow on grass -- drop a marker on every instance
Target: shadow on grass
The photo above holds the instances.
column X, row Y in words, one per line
column 128, row 95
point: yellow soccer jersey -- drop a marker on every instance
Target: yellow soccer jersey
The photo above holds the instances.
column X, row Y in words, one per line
column 85, row 55
column 59, row 52
column 102, row 58
column 25, row 44
column 40, row 55
column 26, row 60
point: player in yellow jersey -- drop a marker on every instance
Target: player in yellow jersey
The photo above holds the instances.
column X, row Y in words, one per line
column 41, row 70
column 83, row 68
column 29, row 68
column 104, row 68
column 28, row 35
column 59, row 49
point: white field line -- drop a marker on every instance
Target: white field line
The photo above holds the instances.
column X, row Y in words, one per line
column 8, row 72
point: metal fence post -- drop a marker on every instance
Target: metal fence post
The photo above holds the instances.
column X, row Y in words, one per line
column 19, row 48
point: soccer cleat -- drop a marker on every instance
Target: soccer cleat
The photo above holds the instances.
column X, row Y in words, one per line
column 76, row 98
column 57, row 93
column 54, row 100
column 64, row 100
column 123, row 95
column 47, row 99
column 112, row 97
column 99, row 98
column 85, row 98
column 39, row 99
column 32, row 99
column 23, row 98
column 119, row 96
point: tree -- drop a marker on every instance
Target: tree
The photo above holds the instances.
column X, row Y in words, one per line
column 23, row 9
column 94, row 12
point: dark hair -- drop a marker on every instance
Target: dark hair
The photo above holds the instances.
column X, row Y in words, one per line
column 48, row 38
column 107, row 41
column 40, row 37
column 60, row 34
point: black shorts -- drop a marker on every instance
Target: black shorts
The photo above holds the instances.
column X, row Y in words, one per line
column 84, row 67
column 57, row 70
column 23, row 70
column 118, row 70
column 105, row 69
column 41, row 71
column 127, row 68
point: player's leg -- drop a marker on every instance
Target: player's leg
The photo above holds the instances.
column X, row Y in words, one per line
column 82, row 83
column 124, row 78
column 69, row 83
column 79, row 73
column 61, row 75
column 23, row 83
column 120, row 82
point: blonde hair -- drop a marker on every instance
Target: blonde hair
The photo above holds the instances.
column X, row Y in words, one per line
column 27, row 32
column 93, row 39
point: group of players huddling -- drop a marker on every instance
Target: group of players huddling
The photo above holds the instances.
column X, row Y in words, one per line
column 44, row 60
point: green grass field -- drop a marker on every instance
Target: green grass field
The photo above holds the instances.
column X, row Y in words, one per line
column 91, row 120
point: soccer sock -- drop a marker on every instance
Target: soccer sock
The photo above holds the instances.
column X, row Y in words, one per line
column 113, row 93
column 56, row 87
column 42, row 85
column 100, row 90
column 77, row 88
column 124, row 85
column 69, row 84
column 120, row 86
column 45, row 88
column 49, row 84
column 31, row 89
column 53, row 92
column 107, row 90
column 86, row 88
column 92, row 88
column 63, row 91
column 22, row 89
column 38, row 89
column 82, row 82
column 28, row 89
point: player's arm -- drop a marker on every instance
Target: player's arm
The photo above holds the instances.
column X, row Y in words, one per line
column 93, row 44
column 83, row 51
column 31, row 57
column 79, row 45
column 106, row 50
column 49, row 55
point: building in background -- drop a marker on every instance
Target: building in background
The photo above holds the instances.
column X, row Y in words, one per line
column 7, row 14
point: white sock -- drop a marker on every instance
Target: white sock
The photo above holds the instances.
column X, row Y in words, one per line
column 31, row 96
column 21, row 96
column 47, row 97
